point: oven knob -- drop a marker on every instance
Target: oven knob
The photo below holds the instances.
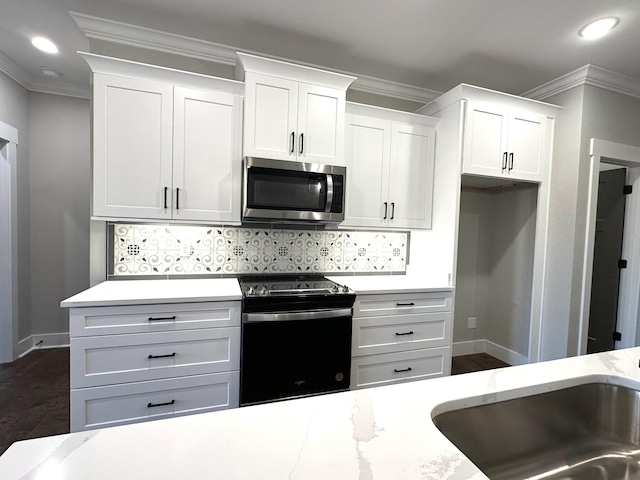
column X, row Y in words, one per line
column 335, row 289
column 345, row 289
column 251, row 291
column 263, row 291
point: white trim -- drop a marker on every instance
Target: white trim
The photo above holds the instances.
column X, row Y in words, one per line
column 493, row 349
column 49, row 340
column 140, row 37
column 629, row 308
column 587, row 75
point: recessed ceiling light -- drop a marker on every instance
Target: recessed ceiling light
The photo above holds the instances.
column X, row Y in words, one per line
column 598, row 28
column 50, row 73
column 44, row 44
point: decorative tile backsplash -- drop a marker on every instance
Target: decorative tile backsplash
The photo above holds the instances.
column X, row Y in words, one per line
column 203, row 250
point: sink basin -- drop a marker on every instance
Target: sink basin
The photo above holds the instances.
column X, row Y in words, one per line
column 589, row 431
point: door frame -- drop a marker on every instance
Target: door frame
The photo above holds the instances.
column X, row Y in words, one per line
column 628, row 303
column 9, row 247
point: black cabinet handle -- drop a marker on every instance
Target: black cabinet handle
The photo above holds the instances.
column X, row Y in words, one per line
column 151, row 405
column 165, row 197
column 385, row 211
column 293, row 139
column 177, row 199
column 393, row 210
column 504, row 161
column 404, row 333
column 410, row 304
column 511, row 161
column 408, row 369
column 168, row 355
column 301, row 143
column 156, row 319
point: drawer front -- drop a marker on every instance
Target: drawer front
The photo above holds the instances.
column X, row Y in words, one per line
column 108, row 360
column 402, row 304
column 388, row 368
column 137, row 402
column 152, row 318
column 396, row 333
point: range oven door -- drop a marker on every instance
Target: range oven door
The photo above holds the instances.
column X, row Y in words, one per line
column 293, row 354
column 284, row 190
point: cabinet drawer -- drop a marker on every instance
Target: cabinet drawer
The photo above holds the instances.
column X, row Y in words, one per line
column 400, row 304
column 136, row 402
column 387, row 368
column 152, row 318
column 372, row 335
column 114, row 359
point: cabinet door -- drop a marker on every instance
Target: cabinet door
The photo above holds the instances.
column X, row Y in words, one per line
column 411, row 176
column 320, row 124
column 367, row 158
column 132, row 136
column 485, row 140
column 527, row 144
column 207, row 157
column 271, row 109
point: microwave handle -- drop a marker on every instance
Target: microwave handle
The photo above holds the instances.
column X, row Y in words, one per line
column 329, row 204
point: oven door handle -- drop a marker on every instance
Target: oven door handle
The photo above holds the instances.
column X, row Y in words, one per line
column 284, row 316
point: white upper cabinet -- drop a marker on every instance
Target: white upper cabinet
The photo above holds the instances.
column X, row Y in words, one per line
column 166, row 144
column 293, row 112
column 503, row 142
column 390, row 160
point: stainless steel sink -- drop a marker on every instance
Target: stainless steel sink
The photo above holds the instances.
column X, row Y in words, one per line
column 589, row 431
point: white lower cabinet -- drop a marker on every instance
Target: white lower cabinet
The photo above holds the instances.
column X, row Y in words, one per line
column 142, row 362
column 401, row 337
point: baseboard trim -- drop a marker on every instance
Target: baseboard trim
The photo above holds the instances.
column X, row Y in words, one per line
column 46, row 340
column 493, row 349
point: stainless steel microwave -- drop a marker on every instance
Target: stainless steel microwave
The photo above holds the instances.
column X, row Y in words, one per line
column 292, row 191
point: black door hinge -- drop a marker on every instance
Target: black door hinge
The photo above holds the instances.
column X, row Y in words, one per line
column 622, row 264
column 627, row 190
column 617, row 336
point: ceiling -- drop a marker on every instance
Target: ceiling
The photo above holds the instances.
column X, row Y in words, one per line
column 507, row 45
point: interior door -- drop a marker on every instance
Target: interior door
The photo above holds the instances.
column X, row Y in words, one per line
column 607, row 253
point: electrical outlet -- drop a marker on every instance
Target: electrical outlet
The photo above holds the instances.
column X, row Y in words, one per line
column 472, row 322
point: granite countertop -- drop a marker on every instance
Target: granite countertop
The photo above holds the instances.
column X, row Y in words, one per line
column 144, row 292
column 378, row 433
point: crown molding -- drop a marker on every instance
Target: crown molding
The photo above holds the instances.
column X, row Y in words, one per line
column 588, row 75
column 67, row 89
column 141, row 37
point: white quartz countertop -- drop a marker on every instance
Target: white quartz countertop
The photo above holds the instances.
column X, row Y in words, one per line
column 378, row 433
column 143, row 292
column 380, row 284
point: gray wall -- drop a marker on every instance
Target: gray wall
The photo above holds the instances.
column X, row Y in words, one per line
column 14, row 108
column 495, row 266
column 59, row 211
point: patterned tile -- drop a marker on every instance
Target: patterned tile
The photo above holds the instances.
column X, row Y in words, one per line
column 197, row 250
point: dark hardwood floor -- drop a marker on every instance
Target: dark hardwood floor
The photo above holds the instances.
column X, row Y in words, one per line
column 34, row 396
column 475, row 363
column 34, row 392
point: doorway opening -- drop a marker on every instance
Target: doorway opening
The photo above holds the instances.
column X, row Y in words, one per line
column 628, row 303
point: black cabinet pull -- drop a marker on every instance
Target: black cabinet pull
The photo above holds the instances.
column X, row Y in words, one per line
column 504, row 161
column 168, row 355
column 511, row 161
column 410, row 304
column 385, row 211
column 404, row 333
column 408, row 369
column 177, row 199
column 165, row 197
column 393, row 210
column 151, row 405
column 156, row 319
column 301, row 143
column 293, row 139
